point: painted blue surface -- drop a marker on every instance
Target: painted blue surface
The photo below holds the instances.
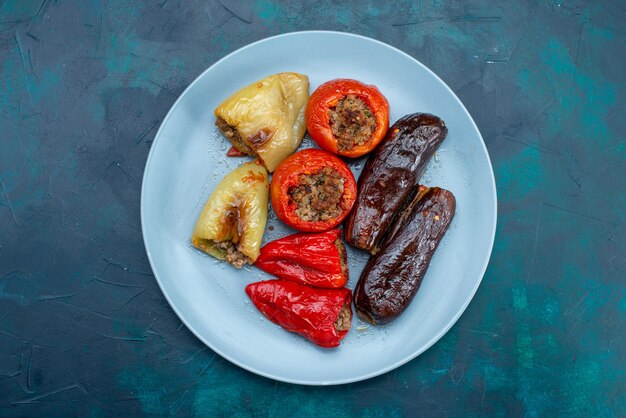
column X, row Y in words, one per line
column 83, row 325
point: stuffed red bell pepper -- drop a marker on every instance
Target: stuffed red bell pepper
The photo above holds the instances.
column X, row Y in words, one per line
column 317, row 259
column 322, row 316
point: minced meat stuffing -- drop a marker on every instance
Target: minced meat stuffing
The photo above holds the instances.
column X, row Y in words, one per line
column 233, row 136
column 233, row 255
column 318, row 196
column 342, row 323
column 343, row 257
column 352, row 122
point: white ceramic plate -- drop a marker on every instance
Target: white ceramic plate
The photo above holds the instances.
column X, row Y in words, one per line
column 187, row 160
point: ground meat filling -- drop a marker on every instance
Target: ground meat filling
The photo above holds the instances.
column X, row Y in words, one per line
column 342, row 323
column 318, row 196
column 352, row 122
column 233, row 136
column 343, row 257
column 233, row 255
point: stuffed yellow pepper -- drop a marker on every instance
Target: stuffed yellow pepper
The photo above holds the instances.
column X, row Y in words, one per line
column 232, row 222
column 266, row 118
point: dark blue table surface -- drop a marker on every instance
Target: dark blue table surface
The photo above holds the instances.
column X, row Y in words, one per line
column 84, row 328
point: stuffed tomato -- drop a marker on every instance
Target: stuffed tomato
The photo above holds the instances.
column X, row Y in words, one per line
column 347, row 117
column 312, row 191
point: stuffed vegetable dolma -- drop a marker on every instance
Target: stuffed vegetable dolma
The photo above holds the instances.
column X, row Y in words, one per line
column 266, row 118
column 232, row 222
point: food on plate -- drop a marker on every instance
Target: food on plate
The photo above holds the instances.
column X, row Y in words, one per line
column 312, row 190
column 316, row 259
column 323, row 316
column 392, row 276
column 266, row 118
column 234, row 152
column 231, row 224
column 393, row 217
column 390, row 177
column 406, row 211
column 347, row 117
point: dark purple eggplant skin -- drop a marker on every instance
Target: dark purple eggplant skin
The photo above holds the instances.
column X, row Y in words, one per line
column 392, row 277
column 390, row 177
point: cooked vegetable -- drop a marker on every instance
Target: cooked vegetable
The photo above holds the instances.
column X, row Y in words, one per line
column 232, row 222
column 312, row 190
column 322, row 316
column 317, row 259
column 390, row 177
column 401, row 219
column 392, row 277
column 266, row 118
column 234, row 152
column 347, row 117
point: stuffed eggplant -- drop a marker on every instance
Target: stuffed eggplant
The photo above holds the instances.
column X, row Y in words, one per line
column 392, row 277
column 266, row 118
column 232, row 222
column 390, row 177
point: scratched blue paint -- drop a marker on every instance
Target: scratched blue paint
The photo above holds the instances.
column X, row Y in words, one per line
column 599, row 294
column 544, row 333
column 344, row 15
column 9, row 8
column 374, row 9
column 551, row 311
column 268, row 10
column 149, row 390
column 584, row 99
column 7, row 83
column 18, row 287
column 97, row 413
column 233, row 399
column 382, row 411
column 587, row 374
column 523, row 171
column 48, row 84
column 105, row 215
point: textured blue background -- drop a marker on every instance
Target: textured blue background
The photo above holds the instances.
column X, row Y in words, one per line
column 84, row 86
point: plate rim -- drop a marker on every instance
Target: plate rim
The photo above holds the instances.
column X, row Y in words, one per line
column 269, row 375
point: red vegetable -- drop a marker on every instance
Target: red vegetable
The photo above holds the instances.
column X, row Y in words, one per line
column 312, row 190
column 320, row 315
column 315, row 259
column 234, row 152
column 347, row 117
